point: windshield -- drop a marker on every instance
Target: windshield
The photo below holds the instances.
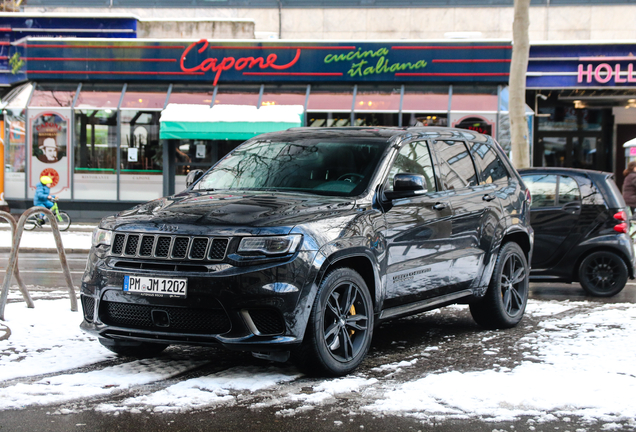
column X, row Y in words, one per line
column 321, row 166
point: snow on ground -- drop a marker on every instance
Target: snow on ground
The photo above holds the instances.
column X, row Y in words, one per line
column 46, row 240
column 585, row 366
column 579, row 363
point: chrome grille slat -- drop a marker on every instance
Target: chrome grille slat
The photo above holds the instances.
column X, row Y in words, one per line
column 170, row 247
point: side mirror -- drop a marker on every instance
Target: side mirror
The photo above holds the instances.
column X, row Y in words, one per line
column 193, row 176
column 406, row 185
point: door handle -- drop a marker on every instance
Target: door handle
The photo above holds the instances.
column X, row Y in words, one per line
column 488, row 197
column 440, row 206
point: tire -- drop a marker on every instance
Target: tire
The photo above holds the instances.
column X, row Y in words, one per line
column 132, row 348
column 65, row 222
column 603, row 274
column 340, row 326
column 505, row 300
column 30, row 223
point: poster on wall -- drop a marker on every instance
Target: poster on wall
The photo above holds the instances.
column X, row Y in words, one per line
column 49, row 145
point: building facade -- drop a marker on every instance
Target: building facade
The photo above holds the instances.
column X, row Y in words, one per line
column 89, row 111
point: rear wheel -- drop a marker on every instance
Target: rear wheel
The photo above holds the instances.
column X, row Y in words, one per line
column 65, row 221
column 505, row 301
column 340, row 326
column 603, row 274
column 133, row 348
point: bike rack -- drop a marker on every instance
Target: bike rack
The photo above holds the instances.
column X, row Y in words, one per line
column 13, row 259
column 25, row 293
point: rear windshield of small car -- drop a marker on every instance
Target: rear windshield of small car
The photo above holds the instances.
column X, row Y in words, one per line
column 324, row 166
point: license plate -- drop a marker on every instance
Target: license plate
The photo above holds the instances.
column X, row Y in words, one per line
column 156, row 287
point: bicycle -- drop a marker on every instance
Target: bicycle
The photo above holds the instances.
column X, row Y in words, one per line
column 37, row 221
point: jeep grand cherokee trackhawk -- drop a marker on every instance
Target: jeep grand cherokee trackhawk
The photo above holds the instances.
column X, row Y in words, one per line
column 300, row 242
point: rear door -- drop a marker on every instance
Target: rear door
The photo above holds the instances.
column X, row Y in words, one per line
column 554, row 215
column 459, row 179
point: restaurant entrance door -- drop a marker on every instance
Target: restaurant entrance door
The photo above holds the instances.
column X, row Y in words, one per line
column 572, row 149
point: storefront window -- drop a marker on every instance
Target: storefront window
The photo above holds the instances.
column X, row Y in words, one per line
column 248, row 95
column 53, row 96
column 565, row 118
column 15, row 152
column 95, row 173
column 322, row 119
column 328, row 100
column 99, row 96
column 198, row 154
column 425, row 99
column 144, row 100
column 424, row 119
column 141, row 156
column 290, row 95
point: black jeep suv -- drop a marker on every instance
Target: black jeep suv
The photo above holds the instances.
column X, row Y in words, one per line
column 300, row 242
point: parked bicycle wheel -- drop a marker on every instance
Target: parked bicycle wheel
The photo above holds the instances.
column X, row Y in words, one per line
column 65, row 222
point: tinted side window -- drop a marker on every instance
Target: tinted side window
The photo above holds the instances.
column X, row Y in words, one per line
column 493, row 169
column 414, row 158
column 542, row 188
column 568, row 190
column 456, row 166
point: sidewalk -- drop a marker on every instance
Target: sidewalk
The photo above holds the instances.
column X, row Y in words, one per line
column 77, row 239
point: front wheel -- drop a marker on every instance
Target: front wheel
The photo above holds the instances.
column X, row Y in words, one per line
column 505, row 301
column 603, row 274
column 65, row 221
column 340, row 326
column 31, row 222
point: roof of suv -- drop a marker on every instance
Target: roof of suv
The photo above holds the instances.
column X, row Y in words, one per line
column 379, row 132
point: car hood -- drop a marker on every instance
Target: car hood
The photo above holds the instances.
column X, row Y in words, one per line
column 254, row 212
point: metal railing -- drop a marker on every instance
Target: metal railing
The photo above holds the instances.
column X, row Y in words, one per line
column 12, row 266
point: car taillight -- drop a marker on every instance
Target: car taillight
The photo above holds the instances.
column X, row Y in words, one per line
column 621, row 216
column 621, row 228
column 528, row 198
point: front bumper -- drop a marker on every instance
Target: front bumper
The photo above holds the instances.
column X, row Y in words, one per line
column 260, row 308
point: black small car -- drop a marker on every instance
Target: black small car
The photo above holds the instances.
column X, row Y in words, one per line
column 581, row 227
column 300, row 242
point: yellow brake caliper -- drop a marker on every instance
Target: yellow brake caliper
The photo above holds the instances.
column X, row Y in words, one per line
column 352, row 311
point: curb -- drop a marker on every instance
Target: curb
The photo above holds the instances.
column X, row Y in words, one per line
column 46, row 250
column 5, row 332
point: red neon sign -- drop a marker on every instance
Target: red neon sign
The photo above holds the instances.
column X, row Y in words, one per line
column 227, row 63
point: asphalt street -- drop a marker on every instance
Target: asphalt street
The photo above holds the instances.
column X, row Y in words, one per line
column 461, row 337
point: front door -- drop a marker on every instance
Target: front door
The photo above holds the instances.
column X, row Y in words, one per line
column 576, row 149
column 418, row 232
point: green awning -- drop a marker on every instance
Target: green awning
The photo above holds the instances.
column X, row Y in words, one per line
column 232, row 122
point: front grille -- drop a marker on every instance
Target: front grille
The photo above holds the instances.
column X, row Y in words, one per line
column 131, row 245
column 118, row 243
column 88, row 304
column 218, row 248
column 169, row 247
column 146, row 246
column 200, row 321
column 268, row 322
column 180, row 248
column 199, row 245
column 163, row 247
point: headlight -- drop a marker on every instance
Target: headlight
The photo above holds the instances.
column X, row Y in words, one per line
column 102, row 236
column 277, row 245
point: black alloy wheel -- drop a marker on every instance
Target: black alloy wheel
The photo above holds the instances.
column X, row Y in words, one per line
column 505, row 301
column 340, row 326
column 603, row 274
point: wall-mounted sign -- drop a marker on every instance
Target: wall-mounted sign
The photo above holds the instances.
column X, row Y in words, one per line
column 581, row 66
column 280, row 61
column 48, row 147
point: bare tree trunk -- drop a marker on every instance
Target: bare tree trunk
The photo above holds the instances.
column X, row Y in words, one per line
column 517, row 86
